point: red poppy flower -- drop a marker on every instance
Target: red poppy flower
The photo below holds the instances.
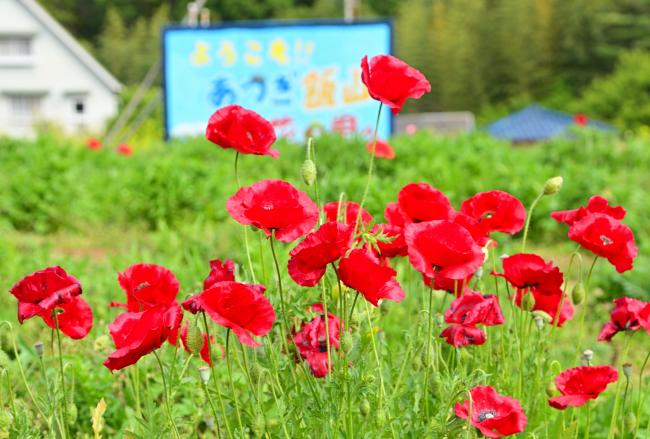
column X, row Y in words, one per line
column 308, row 260
column 458, row 335
column 443, row 248
column 395, row 216
column 479, row 233
column 580, row 119
column 237, row 306
column 527, row 271
column 219, row 272
column 626, row 316
column 494, row 415
column 361, row 271
column 382, row 149
column 146, row 286
column 349, row 211
column 93, row 143
column 391, row 81
column 457, row 287
column 475, row 308
column 137, row 334
column 125, row 150
column 242, row 130
column 596, row 204
column 550, row 303
column 311, row 340
column 205, row 348
column 421, row 202
column 74, row 318
column 606, row 237
column 42, row 290
column 496, row 211
column 580, row 384
column 393, row 248
column 274, row 205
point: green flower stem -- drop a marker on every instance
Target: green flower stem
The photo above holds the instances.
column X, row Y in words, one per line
column 581, row 331
column 427, row 355
column 166, row 395
column 528, row 218
column 212, row 407
column 382, row 390
column 370, row 169
column 642, row 395
column 232, row 384
column 617, row 400
column 284, row 327
column 246, row 244
column 64, row 431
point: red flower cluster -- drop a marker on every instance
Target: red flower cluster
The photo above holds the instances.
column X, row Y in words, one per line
column 531, row 274
column 362, row 271
column 391, row 81
column 53, row 291
column 598, row 228
column 242, row 130
column 125, row 149
column 468, row 311
column 311, row 340
column 628, row 315
column 274, row 206
column 153, row 314
column 580, row 384
column 494, row 415
column 93, row 143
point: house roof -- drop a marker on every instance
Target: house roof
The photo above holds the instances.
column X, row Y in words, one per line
column 535, row 123
column 41, row 15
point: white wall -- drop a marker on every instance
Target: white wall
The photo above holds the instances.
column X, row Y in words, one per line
column 53, row 71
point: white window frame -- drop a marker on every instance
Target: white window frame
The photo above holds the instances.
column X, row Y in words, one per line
column 16, row 49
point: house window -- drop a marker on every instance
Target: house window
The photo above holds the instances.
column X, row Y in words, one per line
column 79, row 105
column 25, row 107
column 15, row 46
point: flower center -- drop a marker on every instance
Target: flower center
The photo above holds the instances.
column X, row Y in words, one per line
column 141, row 286
column 486, row 414
column 487, row 215
column 606, row 240
column 322, row 344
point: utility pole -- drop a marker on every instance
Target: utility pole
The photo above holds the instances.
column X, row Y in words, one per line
column 349, row 9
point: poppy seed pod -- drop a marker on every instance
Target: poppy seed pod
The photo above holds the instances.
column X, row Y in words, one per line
column 364, row 407
column 553, row 185
column 194, row 338
column 630, row 421
column 204, row 372
column 308, row 172
column 346, row 343
column 627, row 370
column 528, row 302
column 38, row 347
column 587, row 356
column 578, row 294
column 539, row 322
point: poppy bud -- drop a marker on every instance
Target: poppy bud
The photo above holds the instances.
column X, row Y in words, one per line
column 556, row 367
column 630, row 421
column 259, row 425
column 417, row 363
column 578, row 294
column 364, row 407
column 346, row 342
column 551, row 390
column 272, row 423
column 308, row 172
column 528, row 302
column 542, row 314
column 101, row 343
column 204, row 372
column 439, row 319
column 587, row 356
column 380, row 417
column 553, row 185
column 38, row 347
column 627, row 370
column 194, row 338
column 72, row 413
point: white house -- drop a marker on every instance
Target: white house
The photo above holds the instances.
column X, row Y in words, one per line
column 45, row 75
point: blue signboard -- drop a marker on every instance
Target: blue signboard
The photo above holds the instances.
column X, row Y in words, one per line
column 305, row 77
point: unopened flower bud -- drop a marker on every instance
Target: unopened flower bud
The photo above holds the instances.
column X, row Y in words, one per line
column 272, row 423
column 578, row 294
column 587, row 356
column 259, row 425
column 364, row 407
column 380, row 417
column 194, row 338
column 368, row 378
column 308, row 172
column 542, row 314
column 439, row 319
column 551, row 390
column 630, row 421
column 346, row 342
column 528, row 302
column 417, row 363
column 72, row 413
column 553, row 185
column 38, row 347
column 556, row 367
column 101, row 343
column 204, row 372
column 627, row 370
column 539, row 322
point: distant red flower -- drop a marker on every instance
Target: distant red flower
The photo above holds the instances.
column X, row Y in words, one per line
column 626, row 316
column 596, row 204
column 580, row 119
column 237, row 306
column 443, row 248
column 137, row 334
column 527, row 271
column 93, row 143
column 397, row 245
column 308, row 260
column 125, row 149
column 146, row 286
column 392, row 81
column 496, row 211
column 348, row 209
column 205, row 348
column 494, row 415
column 274, row 205
column 453, row 286
column 458, row 335
column 242, row 130
column 580, row 384
column 421, row 202
column 382, row 149
column 219, row 271
column 395, row 216
column 606, row 237
column 361, row 271
column 475, row 308
column 311, row 340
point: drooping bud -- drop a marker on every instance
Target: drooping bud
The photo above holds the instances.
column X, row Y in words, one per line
column 308, row 172
column 553, row 185
column 194, row 338
column 587, row 356
column 528, row 302
column 578, row 294
column 38, row 347
column 204, row 372
column 101, row 343
column 346, row 342
column 556, row 367
column 630, row 421
column 543, row 315
column 627, row 370
column 364, row 407
column 551, row 390
column 72, row 413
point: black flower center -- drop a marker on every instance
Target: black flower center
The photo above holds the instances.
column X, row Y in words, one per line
column 486, row 414
column 322, row 344
column 606, row 240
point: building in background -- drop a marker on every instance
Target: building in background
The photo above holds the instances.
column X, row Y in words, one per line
column 47, row 76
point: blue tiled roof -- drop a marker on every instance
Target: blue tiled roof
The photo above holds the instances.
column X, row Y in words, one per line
column 535, row 123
